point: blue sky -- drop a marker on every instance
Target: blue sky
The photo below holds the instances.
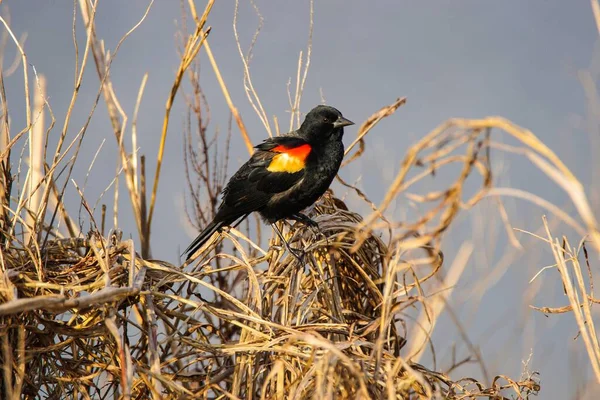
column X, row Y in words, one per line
column 516, row 59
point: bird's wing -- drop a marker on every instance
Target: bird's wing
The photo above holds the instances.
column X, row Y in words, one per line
column 280, row 163
column 288, row 142
column 276, row 166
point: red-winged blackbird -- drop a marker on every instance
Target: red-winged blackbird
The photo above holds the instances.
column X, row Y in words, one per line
column 285, row 175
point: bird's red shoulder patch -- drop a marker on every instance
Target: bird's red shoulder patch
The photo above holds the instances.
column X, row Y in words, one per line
column 289, row 159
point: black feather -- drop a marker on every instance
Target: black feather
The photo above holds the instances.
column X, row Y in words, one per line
column 277, row 195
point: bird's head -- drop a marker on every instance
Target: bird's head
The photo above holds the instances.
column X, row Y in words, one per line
column 324, row 123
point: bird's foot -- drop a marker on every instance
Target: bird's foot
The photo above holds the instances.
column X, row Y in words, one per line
column 305, row 220
column 311, row 223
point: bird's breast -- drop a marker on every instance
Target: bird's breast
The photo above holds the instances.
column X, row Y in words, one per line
column 326, row 158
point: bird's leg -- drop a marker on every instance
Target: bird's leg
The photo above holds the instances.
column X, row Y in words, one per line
column 287, row 245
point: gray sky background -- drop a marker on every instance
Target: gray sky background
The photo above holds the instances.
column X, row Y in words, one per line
column 462, row 58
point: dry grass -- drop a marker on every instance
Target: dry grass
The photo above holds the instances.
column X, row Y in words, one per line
column 89, row 317
column 108, row 322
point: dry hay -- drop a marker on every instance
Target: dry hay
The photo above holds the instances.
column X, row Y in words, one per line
column 95, row 322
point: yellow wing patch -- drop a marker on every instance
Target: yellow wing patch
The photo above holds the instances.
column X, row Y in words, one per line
column 289, row 160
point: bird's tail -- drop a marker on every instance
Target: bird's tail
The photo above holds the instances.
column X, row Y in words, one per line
column 203, row 237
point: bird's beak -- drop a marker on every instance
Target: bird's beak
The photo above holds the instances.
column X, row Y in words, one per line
column 341, row 122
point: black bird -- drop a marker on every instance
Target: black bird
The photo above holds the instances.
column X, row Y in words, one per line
column 285, row 175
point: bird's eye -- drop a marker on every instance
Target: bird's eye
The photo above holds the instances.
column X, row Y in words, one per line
column 325, row 119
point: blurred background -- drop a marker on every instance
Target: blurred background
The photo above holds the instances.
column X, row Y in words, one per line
column 535, row 63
